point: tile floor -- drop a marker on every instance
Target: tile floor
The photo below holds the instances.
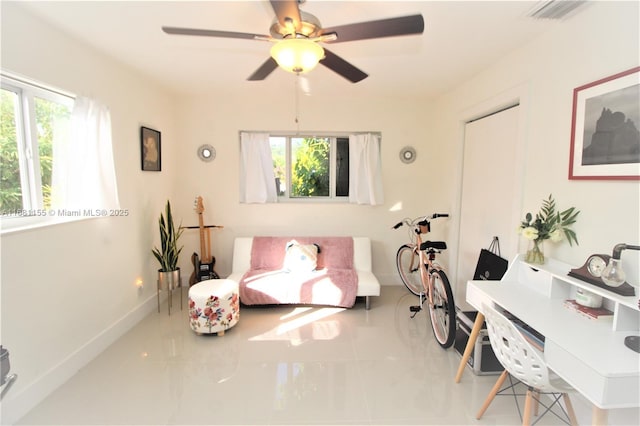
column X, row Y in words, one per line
column 284, row 365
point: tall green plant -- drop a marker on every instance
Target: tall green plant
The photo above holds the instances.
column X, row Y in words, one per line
column 169, row 235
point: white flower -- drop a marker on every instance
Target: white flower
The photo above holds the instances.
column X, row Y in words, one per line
column 556, row 235
column 530, row 233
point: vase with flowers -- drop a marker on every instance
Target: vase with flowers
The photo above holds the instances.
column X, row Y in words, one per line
column 548, row 224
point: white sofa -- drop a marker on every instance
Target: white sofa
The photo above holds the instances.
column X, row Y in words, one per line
column 368, row 284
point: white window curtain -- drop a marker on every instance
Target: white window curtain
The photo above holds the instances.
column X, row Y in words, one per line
column 83, row 175
column 365, row 169
column 257, row 180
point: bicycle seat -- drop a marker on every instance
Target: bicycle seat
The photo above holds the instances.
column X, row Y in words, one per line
column 438, row 245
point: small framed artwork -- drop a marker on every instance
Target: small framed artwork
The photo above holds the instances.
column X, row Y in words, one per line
column 150, row 149
column 605, row 135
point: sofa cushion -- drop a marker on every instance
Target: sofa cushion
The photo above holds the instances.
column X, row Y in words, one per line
column 335, row 252
column 300, row 257
column 334, row 280
column 332, row 287
column 267, row 253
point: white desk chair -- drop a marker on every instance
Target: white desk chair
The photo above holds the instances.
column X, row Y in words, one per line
column 525, row 363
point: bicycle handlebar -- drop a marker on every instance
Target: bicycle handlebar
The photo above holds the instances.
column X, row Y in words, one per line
column 422, row 220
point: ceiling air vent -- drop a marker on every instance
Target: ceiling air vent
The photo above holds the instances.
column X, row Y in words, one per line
column 554, row 9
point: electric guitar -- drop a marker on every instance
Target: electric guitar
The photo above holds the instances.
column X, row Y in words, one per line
column 203, row 266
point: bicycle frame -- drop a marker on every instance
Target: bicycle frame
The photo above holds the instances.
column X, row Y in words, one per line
column 427, row 258
column 433, row 286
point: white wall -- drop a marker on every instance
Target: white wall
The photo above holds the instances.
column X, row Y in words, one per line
column 68, row 290
column 217, row 118
column 541, row 75
column 601, row 41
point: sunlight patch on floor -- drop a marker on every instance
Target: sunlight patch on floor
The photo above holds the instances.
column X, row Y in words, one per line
column 312, row 325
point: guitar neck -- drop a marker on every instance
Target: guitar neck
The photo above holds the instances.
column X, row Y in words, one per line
column 204, row 251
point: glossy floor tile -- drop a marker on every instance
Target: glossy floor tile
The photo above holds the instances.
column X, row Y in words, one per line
column 284, row 365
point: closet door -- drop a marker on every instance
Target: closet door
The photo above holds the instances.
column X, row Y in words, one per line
column 491, row 190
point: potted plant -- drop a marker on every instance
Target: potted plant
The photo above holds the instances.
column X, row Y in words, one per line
column 548, row 224
column 168, row 254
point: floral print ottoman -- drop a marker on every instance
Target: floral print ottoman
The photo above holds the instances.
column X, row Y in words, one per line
column 214, row 306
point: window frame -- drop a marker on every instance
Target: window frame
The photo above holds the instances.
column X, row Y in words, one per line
column 33, row 211
column 333, row 142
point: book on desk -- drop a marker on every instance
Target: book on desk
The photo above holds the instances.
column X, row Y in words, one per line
column 588, row 312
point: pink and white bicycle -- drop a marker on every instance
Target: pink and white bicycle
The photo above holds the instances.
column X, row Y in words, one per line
column 424, row 277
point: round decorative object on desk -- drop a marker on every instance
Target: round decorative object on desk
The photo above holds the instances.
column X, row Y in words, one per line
column 613, row 274
column 633, row 343
column 587, row 298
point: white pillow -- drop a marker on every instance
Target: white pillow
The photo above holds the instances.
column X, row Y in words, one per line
column 300, row 258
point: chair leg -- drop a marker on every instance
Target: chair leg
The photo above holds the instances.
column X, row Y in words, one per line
column 599, row 416
column 536, row 403
column 526, row 418
column 492, row 394
column 477, row 326
column 572, row 414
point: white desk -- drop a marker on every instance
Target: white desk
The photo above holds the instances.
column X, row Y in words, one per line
column 588, row 354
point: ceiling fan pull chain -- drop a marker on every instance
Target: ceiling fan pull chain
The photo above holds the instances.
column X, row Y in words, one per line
column 297, row 102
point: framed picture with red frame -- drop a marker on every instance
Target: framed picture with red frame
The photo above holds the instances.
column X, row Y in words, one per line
column 605, row 135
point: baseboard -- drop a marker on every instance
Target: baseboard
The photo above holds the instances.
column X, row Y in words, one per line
column 14, row 407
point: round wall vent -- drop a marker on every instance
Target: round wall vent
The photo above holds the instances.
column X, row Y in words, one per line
column 206, row 153
column 407, row 154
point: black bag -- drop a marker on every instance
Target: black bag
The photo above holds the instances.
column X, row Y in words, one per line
column 490, row 265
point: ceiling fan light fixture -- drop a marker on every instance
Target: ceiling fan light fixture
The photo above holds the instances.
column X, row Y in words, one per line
column 297, row 55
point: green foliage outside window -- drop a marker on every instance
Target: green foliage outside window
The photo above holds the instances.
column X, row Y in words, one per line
column 307, row 162
column 50, row 117
column 10, row 190
column 310, row 174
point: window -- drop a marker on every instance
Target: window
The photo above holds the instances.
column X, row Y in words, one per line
column 311, row 166
column 286, row 167
column 30, row 119
column 56, row 159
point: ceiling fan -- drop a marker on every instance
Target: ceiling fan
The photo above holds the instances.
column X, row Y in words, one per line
column 297, row 35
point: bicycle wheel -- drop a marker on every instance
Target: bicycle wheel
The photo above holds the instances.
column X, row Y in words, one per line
column 408, row 264
column 443, row 310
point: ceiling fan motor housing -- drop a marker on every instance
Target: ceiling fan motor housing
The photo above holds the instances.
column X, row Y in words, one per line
column 299, row 33
column 309, row 27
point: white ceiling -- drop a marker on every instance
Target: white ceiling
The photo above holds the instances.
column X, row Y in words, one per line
column 460, row 39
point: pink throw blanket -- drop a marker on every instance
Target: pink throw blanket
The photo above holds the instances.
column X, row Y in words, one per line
column 333, row 283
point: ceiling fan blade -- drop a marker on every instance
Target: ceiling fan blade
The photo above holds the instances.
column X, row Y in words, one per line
column 265, row 69
column 287, row 11
column 413, row 24
column 212, row 33
column 336, row 64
